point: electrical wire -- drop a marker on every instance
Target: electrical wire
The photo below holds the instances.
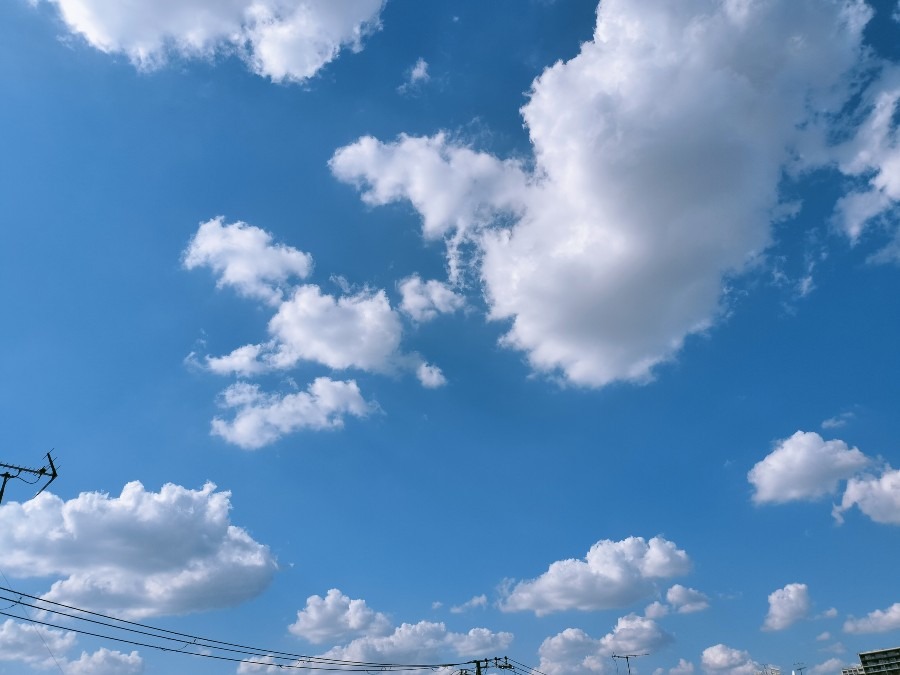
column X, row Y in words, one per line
column 40, row 634
column 150, row 637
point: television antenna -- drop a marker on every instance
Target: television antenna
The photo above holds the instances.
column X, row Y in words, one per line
column 627, row 658
column 13, row 471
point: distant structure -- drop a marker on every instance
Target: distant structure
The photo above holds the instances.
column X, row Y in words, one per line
column 853, row 670
column 880, row 662
column 769, row 670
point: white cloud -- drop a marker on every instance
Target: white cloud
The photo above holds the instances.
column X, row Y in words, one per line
column 139, row 554
column 424, row 300
column 430, row 376
column 573, row 652
column 263, row 418
column 106, row 662
column 357, row 330
column 354, row 331
column 656, row 610
column 243, row 256
column 723, row 660
column 823, row 637
column 877, row 497
column 686, row 600
column 634, row 634
column 613, row 574
column 455, row 189
column 31, row 644
column 423, row 642
column 879, row 621
column 477, row 601
column 829, row 667
column 873, row 154
column 787, row 606
column 599, row 282
column 684, row 667
column 838, row 421
column 284, row 40
column 44, row 649
column 415, row 76
column 336, row 617
column 804, row 467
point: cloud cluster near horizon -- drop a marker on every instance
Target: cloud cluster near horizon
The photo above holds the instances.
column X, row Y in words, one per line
column 46, row 648
column 137, row 555
column 364, row 635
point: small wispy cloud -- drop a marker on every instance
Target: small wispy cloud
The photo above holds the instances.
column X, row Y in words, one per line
column 477, row 601
column 416, row 76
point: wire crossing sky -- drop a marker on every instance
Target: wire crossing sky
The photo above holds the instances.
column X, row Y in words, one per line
column 387, row 332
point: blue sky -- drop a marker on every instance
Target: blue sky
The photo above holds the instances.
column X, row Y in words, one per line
column 399, row 331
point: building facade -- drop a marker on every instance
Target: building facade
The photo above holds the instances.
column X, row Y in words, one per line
column 881, row 662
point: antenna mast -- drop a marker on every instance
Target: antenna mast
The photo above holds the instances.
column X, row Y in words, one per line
column 13, row 471
column 627, row 658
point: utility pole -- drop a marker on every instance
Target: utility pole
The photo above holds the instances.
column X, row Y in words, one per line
column 627, row 658
column 13, row 471
column 501, row 663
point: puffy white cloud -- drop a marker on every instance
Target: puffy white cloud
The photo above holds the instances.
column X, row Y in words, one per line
column 804, row 467
column 284, row 40
column 573, row 652
column 454, row 188
column 723, row 660
column 686, row 600
column 357, row 330
column 477, row 601
column 31, row 644
column 139, row 554
column 656, row 610
column 336, row 617
column 877, row 497
column 44, row 648
column 422, row 642
column 613, row 574
column 424, row 300
column 243, row 256
column 684, row 667
column 829, row 667
column 633, row 634
column 787, row 606
column 879, row 621
column 599, row 281
column 430, row 376
column 106, row 662
column 263, row 418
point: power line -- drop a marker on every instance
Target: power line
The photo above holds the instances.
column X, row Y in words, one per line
column 150, row 637
column 40, row 634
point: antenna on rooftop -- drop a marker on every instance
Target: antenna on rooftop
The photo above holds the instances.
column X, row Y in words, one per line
column 13, row 471
column 627, row 658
